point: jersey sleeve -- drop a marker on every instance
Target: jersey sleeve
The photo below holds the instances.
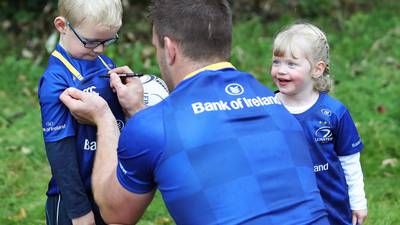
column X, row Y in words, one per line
column 65, row 170
column 348, row 140
column 57, row 121
column 139, row 152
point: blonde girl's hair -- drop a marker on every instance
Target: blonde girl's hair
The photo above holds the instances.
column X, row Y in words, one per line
column 316, row 49
column 102, row 12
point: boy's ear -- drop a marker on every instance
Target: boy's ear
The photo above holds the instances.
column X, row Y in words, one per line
column 60, row 24
column 170, row 47
column 319, row 69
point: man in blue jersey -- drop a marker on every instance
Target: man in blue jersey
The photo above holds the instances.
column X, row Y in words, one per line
column 221, row 148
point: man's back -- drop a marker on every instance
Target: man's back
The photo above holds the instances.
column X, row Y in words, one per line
column 223, row 151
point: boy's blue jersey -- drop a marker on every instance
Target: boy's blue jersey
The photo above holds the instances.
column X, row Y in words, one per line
column 331, row 133
column 222, row 150
column 57, row 121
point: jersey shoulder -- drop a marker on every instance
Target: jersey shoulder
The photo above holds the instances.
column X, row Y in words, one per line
column 331, row 105
column 55, row 71
column 54, row 80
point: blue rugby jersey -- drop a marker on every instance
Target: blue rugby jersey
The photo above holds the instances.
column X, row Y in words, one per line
column 62, row 72
column 331, row 132
column 222, row 150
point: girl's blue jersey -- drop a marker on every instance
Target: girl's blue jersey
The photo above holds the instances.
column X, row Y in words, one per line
column 62, row 72
column 331, row 133
column 222, row 150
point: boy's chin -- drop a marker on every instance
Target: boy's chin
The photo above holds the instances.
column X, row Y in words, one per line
column 85, row 57
column 91, row 57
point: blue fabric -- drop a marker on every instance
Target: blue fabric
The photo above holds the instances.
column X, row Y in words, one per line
column 331, row 133
column 57, row 121
column 65, row 170
column 56, row 211
column 222, row 150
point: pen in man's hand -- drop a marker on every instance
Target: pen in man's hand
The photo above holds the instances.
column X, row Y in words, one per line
column 123, row 75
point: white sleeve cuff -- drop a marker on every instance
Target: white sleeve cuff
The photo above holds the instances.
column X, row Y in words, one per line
column 354, row 178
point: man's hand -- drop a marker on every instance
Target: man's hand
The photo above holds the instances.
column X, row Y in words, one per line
column 87, row 108
column 129, row 91
column 87, row 219
column 359, row 216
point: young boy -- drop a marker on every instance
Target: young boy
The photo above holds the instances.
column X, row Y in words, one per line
column 86, row 28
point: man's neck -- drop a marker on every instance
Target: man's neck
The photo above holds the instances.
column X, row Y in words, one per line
column 189, row 66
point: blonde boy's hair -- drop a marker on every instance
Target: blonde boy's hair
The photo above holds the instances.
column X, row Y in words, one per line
column 316, row 49
column 103, row 12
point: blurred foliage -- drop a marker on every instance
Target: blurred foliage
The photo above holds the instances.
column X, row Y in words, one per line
column 271, row 9
column 27, row 24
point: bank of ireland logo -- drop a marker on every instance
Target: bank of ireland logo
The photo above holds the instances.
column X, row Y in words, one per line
column 234, row 89
column 120, row 124
column 323, row 134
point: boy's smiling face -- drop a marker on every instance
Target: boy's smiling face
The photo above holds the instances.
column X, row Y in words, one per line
column 88, row 32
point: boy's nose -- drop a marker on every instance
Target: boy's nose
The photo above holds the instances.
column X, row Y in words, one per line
column 99, row 49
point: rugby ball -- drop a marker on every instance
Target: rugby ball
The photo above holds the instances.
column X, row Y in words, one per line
column 154, row 89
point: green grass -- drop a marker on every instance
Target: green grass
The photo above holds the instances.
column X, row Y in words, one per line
column 365, row 62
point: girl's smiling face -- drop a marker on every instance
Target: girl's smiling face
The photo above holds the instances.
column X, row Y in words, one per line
column 291, row 71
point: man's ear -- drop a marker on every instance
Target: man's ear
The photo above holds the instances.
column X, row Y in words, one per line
column 319, row 69
column 60, row 24
column 171, row 50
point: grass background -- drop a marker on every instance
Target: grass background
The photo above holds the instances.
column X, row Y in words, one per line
column 365, row 64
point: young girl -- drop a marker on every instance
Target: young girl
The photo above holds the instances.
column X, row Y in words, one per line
column 300, row 70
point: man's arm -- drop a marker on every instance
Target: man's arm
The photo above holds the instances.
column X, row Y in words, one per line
column 117, row 205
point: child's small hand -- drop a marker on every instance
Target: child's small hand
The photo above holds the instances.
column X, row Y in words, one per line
column 359, row 216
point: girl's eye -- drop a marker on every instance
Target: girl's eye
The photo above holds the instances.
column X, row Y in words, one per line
column 275, row 62
column 292, row 64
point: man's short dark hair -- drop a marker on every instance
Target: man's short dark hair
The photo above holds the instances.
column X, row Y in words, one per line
column 203, row 28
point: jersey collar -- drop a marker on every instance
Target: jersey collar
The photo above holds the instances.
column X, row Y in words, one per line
column 216, row 66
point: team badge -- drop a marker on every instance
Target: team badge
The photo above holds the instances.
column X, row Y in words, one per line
column 323, row 134
column 326, row 112
column 234, row 89
column 120, row 124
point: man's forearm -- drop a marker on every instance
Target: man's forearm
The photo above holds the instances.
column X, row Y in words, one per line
column 106, row 160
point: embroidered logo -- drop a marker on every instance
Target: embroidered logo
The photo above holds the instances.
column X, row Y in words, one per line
column 234, row 89
column 91, row 89
column 323, row 135
column 326, row 112
column 120, row 124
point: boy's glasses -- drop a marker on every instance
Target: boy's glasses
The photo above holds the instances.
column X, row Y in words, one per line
column 93, row 44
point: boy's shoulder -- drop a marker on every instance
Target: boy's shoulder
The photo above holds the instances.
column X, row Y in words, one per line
column 54, row 67
column 54, row 72
column 55, row 63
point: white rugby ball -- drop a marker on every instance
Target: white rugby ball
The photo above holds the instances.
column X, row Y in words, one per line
column 154, row 89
